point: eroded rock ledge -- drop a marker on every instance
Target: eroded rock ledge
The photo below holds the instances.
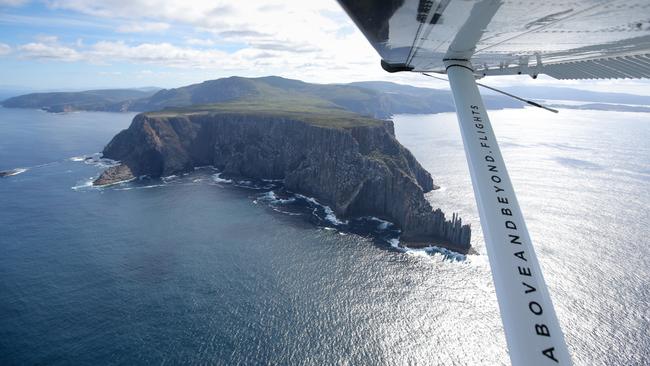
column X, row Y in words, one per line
column 358, row 170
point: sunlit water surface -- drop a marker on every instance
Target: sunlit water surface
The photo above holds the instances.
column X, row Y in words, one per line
column 194, row 270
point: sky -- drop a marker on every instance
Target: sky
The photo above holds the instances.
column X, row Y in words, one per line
column 84, row 44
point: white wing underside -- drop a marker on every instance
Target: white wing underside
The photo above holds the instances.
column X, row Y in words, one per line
column 580, row 39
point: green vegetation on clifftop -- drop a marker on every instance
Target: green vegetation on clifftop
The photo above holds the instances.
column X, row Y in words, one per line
column 307, row 109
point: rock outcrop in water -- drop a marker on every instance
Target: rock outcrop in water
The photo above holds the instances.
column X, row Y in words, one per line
column 358, row 168
column 117, row 174
column 12, row 172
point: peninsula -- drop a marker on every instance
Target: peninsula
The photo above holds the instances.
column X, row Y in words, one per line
column 349, row 162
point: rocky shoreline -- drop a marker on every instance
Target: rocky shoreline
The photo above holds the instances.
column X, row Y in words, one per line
column 357, row 169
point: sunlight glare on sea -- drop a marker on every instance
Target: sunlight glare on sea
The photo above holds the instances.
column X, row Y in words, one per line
column 196, row 270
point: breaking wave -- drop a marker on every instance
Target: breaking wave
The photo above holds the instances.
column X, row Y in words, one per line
column 87, row 184
column 95, row 159
column 217, row 178
column 381, row 224
column 272, row 198
column 328, row 212
column 430, row 251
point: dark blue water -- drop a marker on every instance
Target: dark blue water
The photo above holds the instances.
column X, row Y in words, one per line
column 193, row 270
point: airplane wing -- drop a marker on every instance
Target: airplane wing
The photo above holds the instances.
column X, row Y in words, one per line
column 469, row 39
column 572, row 39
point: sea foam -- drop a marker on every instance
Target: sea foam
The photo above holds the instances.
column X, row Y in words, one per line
column 217, row 178
column 329, row 213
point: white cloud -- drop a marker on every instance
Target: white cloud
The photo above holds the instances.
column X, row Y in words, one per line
column 312, row 40
column 280, row 25
column 5, row 49
column 143, row 27
column 46, row 38
column 49, row 51
column 154, row 53
column 199, row 42
column 287, row 37
column 13, row 2
column 291, row 38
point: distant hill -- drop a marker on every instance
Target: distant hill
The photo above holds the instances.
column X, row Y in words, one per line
column 90, row 100
column 555, row 93
column 374, row 99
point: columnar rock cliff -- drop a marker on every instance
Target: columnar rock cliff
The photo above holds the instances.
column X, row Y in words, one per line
column 358, row 170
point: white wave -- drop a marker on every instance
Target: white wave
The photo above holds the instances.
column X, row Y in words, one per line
column 273, row 198
column 417, row 252
column 478, row 260
column 286, row 212
column 430, row 251
column 112, row 183
column 331, row 217
column 19, row 171
column 217, row 178
column 394, row 243
column 308, row 199
column 95, row 159
column 88, row 159
column 382, row 224
column 329, row 213
column 269, row 196
column 87, row 184
column 445, row 253
column 151, row 186
column 450, row 254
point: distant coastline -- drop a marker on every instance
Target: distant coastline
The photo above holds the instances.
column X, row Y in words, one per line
column 373, row 98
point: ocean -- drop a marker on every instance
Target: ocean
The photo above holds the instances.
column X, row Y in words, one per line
column 198, row 269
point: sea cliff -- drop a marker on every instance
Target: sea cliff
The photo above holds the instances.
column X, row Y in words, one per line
column 357, row 167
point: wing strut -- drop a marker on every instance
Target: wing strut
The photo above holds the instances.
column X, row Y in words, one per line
column 532, row 330
column 530, row 102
